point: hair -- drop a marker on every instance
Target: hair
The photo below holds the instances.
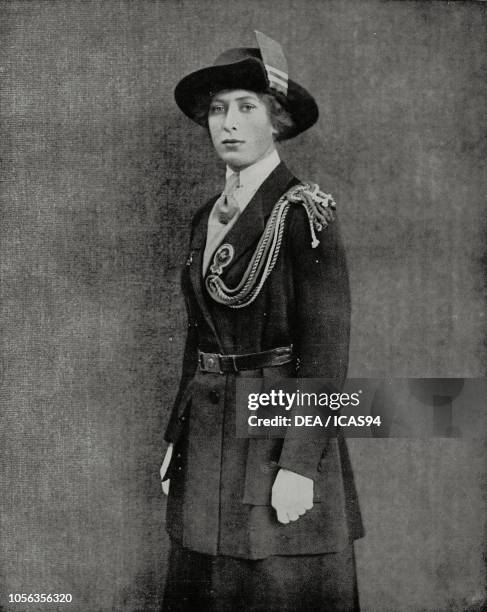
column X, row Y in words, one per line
column 281, row 119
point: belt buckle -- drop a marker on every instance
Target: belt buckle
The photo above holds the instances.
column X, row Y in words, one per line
column 210, row 362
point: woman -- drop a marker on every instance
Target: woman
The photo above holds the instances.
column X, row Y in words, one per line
column 258, row 523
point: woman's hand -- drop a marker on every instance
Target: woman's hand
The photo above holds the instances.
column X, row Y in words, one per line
column 292, row 495
column 163, row 470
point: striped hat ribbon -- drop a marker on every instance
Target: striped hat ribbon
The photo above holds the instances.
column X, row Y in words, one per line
column 274, row 61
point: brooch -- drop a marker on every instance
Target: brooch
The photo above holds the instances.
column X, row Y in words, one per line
column 223, row 256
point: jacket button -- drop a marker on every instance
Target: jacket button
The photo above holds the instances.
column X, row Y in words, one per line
column 214, row 396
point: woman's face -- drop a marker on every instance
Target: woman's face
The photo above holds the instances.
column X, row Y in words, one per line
column 240, row 127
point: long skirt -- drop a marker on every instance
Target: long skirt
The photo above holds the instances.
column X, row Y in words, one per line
column 325, row 582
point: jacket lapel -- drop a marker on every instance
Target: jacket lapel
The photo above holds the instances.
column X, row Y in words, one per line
column 198, row 242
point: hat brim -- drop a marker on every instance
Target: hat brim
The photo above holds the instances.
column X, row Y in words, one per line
column 194, row 92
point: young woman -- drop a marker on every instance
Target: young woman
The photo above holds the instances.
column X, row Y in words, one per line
column 258, row 523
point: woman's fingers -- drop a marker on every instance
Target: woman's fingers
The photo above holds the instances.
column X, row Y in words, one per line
column 282, row 516
column 286, row 513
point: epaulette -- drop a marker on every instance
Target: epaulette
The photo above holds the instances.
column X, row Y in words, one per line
column 319, row 207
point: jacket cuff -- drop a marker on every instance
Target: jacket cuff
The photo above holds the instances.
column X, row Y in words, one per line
column 303, row 456
column 173, row 428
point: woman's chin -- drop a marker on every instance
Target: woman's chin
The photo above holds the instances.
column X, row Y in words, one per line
column 234, row 161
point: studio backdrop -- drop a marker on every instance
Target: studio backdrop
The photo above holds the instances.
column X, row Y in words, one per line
column 101, row 174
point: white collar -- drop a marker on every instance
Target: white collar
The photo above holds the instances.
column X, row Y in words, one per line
column 252, row 177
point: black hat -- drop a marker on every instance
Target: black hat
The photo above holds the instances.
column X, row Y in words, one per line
column 260, row 70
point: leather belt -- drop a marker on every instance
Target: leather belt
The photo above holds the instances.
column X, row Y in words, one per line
column 217, row 363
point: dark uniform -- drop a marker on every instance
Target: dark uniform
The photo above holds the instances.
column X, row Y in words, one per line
column 229, row 550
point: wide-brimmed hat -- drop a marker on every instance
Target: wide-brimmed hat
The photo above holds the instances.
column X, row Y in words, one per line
column 262, row 69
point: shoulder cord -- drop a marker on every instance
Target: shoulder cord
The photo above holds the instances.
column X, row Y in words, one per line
column 319, row 208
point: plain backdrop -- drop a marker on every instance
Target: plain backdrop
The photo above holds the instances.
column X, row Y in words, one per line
column 101, row 174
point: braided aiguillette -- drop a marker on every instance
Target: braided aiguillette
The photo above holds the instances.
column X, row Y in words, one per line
column 319, row 208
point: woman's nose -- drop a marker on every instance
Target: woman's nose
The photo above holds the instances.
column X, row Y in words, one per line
column 231, row 118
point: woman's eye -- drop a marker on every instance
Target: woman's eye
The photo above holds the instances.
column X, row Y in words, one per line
column 216, row 108
column 248, row 107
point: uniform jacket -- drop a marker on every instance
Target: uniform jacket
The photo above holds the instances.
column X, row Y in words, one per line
column 219, row 500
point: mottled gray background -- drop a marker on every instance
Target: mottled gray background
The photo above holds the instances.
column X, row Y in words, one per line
column 100, row 176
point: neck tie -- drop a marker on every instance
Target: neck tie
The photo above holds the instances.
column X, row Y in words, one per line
column 227, row 205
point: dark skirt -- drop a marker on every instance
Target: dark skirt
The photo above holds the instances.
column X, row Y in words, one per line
column 199, row 582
